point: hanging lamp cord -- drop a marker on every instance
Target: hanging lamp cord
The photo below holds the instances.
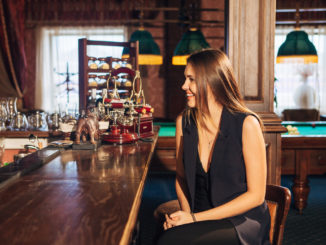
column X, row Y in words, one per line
column 297, row 14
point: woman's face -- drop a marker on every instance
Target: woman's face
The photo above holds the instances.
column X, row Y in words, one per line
column 190, row 86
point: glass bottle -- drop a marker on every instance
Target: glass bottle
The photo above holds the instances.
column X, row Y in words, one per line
column 103, row 64
column 37, row 121
column 102, row 81
column 19, row 122
column 12, row 106
column 92, row 63
column 128, row 83
column 126, row 63
column 92, row 83
column 116, row 63
column 53, row 121
column 3, row 116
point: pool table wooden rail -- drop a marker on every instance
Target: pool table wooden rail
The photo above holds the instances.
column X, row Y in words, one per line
column 316, row 146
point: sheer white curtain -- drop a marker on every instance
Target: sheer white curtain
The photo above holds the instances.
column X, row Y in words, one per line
column 290, row 77
column 57, row 47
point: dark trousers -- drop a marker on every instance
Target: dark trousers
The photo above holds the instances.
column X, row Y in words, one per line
column 201, row 233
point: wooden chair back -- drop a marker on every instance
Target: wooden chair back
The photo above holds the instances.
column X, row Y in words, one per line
column 278, row 199
column 301, row 115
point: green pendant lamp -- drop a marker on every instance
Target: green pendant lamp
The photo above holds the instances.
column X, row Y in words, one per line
column 193, row 40
column 297, row 45
column 149, row 51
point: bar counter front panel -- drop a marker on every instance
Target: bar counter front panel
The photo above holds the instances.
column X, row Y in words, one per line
column 79, row 197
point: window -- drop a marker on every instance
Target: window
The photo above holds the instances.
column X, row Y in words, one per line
column 289, row 76
column 57, row 51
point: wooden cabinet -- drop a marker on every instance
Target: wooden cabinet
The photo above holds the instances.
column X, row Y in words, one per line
column 86, row 72
column 288, row 161
column 316, row 161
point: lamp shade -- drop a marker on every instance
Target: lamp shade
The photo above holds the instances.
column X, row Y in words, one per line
column 297, row 45
column 191, row 41
column 149, row 52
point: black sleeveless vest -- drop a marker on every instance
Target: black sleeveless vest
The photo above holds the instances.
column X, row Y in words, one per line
column 227, row 175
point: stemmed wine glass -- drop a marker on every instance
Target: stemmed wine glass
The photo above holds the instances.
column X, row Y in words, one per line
column 19, row 122
column 11, row 107
column 3, row 115
column 37, row 121
column 2, row 151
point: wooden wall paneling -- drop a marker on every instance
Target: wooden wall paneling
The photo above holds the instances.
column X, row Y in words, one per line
column 214, row 34
column 273, row 155
column 251, row 51
column 174, row 75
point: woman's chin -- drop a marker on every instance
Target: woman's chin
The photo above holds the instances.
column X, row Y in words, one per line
column 191, row 104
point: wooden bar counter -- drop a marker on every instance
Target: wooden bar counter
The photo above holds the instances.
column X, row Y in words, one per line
column 78, row 197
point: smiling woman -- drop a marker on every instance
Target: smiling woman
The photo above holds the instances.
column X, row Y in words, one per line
column 220, row 159
column 190, row 86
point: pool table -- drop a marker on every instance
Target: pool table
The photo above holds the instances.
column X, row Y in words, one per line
column 302, row 154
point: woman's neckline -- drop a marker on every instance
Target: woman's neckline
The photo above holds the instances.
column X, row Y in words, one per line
column 217, row 136
column 200, row 163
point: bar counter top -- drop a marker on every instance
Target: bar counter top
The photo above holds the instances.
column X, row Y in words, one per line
column 76, row 197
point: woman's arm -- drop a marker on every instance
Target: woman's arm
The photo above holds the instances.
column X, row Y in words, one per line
column 255, row 162
column 180, row 183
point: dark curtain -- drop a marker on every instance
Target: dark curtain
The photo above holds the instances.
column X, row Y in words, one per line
column 7, row 88
column 12, row 53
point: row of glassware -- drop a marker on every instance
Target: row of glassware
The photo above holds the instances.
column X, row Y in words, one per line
column 11, row 119
column 95, row 80
column 107, row 63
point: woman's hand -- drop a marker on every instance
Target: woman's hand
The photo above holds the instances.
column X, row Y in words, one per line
column 177, row 218
column 167, row 224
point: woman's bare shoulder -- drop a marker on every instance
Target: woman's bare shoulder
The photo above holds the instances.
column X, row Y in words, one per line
column 179, row 118
column 179, row 123
column 251, row 123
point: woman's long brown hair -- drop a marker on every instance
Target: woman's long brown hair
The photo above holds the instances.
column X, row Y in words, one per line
column 213, row 68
